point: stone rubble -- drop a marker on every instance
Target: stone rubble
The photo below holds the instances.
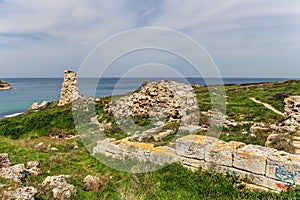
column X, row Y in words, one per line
column 18, row 172
column 22, row 193
column 159, row 100
column 15, row 173
column 59, row 186
column 291, row 119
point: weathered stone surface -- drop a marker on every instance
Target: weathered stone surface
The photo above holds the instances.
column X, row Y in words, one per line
column 189, row 129
column 194, row 146
column 258, row 127
column 158, row 100
column 222, row 152
column 36, row 105
column 136, row 150
column 254, row 178
column 190, row 162
column 252, row 158
column 162, row 135
column 23, row 193
column 33, row 167
column 94, row 183
column 59, row 186
column 69, row 91
column 4, row 160
column 14, row 173
column 284, row 167
column 291, row 119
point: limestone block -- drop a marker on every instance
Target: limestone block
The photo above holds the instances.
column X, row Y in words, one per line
column 284, row 167
column 196, row 164
column 190, row 129
column 252, row 158
column 193, row 146
column 107, row 148
column 224, row 170
column 222, row 152
column 254, row 178
column 163, row 155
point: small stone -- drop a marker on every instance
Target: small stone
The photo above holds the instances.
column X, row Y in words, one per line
column 33, row 167
column 4, row 160
column 93, row 183
column 54, row 149
column 41, row 146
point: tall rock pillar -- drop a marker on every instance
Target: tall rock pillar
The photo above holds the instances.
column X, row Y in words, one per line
column 69, row 90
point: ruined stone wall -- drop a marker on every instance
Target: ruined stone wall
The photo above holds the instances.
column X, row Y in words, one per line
column 292, row 110
column 69, row 90
column 265, row 167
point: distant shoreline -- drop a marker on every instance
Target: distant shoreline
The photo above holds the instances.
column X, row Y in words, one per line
column 5, row 85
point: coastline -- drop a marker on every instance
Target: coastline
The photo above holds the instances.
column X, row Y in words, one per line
column 11, row 115
column 5, row 85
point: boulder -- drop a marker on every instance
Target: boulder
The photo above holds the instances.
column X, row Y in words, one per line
column 59, row 186
column 94, row 183
column 22, row 193
column 15, row 173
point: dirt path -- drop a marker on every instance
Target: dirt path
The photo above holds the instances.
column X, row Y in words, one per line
column 267, row 106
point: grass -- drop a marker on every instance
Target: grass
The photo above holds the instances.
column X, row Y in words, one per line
column 19, row 135
column 170, row 182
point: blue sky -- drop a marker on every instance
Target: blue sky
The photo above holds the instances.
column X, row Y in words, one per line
column 245, row 38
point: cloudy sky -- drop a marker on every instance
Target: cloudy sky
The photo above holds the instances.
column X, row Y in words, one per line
column 245, row 38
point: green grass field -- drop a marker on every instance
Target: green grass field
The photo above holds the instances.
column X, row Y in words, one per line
column 19, row 135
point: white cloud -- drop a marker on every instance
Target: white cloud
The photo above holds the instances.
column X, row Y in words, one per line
column 60, row 33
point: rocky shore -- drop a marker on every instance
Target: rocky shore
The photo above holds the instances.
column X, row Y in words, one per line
column 4, row 85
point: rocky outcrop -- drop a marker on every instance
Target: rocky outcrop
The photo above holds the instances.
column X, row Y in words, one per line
column 59, row 186
column 17, row 172
column 37, row 106
column 22, row 193
column 69, row 91
column 4, row 85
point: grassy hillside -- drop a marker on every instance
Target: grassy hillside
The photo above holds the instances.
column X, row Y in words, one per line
column 20, row 135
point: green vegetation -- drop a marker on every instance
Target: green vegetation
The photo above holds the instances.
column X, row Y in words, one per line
column 19, row 136
column 171, row 182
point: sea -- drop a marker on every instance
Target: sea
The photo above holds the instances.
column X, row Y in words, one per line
column 28, row 90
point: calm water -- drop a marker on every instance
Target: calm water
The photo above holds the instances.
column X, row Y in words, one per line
column 28, row 90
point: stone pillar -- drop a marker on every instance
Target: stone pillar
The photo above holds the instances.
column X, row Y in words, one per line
column 69, row 90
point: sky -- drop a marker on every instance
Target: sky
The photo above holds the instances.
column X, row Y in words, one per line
column 245, row 38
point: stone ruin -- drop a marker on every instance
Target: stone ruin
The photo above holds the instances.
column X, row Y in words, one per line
column 69, row 91
column 292, row 111
column 159, row 100
column 291, row 119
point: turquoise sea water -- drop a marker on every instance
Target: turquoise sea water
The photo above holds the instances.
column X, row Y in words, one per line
column 28, row 90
